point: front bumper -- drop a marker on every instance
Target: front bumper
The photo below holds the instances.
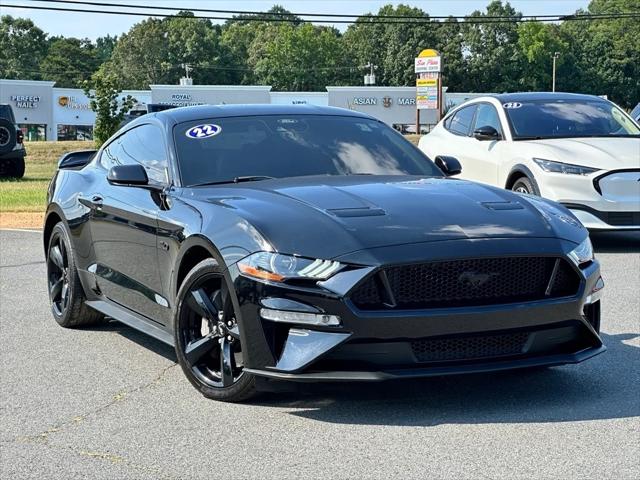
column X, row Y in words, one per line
column 382, row 345
column 594, row 219
column 601, row 201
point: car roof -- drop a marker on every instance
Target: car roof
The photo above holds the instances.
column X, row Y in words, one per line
column 533, row 96
column 186, row 114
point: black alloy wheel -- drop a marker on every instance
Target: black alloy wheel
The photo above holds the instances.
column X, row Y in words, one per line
column 58, row 274
column 208, row 336
column 65, row 289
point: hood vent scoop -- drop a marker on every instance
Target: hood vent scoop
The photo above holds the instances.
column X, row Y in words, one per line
column 503, row 205
column 356, row 212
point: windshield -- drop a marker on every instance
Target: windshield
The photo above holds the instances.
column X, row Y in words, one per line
column 568, row 118
column 224, row 149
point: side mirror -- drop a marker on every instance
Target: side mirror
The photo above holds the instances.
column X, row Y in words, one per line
column 133, row 175
column 449, row 165
column 486, row 133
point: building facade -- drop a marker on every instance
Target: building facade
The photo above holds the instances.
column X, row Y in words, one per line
column 45, row 112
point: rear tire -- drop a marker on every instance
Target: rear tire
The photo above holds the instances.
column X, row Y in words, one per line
column 8, row 136
column 65, row 290
column 525, row 185
column 207, row 336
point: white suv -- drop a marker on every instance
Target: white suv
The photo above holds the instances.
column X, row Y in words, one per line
column 579, row 150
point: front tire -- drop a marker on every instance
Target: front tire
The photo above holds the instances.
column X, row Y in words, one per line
column 525, row 185
column 207, row 336
column 65, row 290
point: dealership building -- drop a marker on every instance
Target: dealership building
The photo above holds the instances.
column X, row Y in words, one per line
column 45, row 112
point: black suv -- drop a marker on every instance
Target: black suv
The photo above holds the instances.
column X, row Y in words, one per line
column 12, row 151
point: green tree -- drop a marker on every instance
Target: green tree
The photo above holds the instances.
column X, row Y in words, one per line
column 69, row 62
column 22, row 48
column 300, row 58
column 154, row 52
column 493, row 60
column 103, row 91
column 605, row 53
column 140, row 58
column 242, row 43
column 105, row 46
column 195, row 42
column 392, row 46
column 538, row 43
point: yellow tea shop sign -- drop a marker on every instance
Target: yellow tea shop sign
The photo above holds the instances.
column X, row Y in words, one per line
column 72, row 102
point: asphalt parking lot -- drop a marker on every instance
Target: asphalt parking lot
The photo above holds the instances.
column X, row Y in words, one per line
column 110, row 403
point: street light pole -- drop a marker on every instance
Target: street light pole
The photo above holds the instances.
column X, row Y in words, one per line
column 370, row 79
column 553, row 82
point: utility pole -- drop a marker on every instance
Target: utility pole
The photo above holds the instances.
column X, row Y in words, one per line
column 370, row 78
column 553, row 82
column 186, row 80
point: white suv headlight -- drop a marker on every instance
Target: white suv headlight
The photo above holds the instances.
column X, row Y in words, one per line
column 277, row 267
column 559, row 167
column 583, row 253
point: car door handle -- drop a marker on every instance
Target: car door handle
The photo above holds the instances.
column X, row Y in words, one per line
column 95, row 202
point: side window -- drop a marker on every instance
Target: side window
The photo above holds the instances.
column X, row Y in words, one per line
column 460, row 123
column 447, row 122
column 143, row 145
column 487, row 117
column 112, row 155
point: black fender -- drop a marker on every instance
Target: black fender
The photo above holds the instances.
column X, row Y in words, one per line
column 53, row 211
column 523, row 170
column 196, row 240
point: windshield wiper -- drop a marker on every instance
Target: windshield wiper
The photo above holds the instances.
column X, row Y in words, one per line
column 248, row 178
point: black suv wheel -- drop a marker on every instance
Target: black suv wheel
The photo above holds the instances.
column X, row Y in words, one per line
column 11, row 159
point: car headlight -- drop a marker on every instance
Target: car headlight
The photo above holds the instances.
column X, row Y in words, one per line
column 583, row 253
column 550, row 211
column 559, row 167
column 277, row 267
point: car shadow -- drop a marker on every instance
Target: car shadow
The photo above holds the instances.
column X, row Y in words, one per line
column 140, row 338
column 616, row 242
column 604, row 387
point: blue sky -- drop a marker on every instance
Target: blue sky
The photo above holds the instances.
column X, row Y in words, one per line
column 93, row 26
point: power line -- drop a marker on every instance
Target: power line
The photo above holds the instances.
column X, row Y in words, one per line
column 335, row 15
column 365, row 20
column 275, row 14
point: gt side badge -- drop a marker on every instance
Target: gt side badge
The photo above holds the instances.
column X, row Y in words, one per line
column 203, row 131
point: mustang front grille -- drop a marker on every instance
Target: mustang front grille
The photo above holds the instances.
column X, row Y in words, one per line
column 469, row 348
column 469, row 282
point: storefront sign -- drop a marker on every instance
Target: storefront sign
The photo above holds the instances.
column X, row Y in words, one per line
column 407, row 101
column 386, row 101
column 181, row 100
column 73, row 103
column 428, row 64
column 26, row 101
column 365, row 101
column 426, row 93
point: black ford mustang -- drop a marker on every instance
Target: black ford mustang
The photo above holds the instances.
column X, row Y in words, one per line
column 302, row 243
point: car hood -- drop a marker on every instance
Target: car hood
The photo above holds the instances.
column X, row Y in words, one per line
column 604, row 153
column 328, row 216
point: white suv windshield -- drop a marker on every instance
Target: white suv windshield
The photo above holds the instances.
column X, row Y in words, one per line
column 568, row 118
